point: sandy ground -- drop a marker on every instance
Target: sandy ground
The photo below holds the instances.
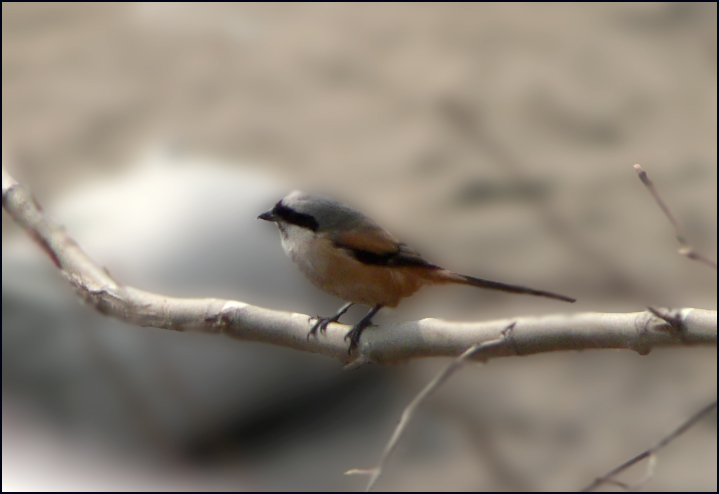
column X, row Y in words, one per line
column 470, row 122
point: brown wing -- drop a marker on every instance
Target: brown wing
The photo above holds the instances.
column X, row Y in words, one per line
column 375, row 246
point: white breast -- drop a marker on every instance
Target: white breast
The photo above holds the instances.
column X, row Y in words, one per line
column 300, row 244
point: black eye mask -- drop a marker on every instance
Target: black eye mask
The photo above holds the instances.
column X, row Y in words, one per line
column 292, row 217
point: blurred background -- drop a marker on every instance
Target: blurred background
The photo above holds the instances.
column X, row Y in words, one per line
column 497, row 139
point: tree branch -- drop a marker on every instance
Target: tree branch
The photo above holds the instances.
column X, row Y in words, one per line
column 639, row 331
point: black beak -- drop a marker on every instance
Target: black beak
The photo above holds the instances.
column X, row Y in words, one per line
column 267, row 216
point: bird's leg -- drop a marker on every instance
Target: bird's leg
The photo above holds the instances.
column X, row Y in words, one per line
column 322, row 322
column 356, row 331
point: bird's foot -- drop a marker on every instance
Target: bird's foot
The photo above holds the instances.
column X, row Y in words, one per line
column 323, row 322
column 354, row 334
column 321, row 325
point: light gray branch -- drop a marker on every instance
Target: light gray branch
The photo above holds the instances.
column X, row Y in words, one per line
column 639, row 331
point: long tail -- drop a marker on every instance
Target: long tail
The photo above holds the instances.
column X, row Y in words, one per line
column 444, row 276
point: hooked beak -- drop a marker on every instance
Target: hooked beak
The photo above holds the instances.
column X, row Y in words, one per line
column 267, row 216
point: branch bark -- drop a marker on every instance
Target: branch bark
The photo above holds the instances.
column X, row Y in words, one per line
column 638, row 331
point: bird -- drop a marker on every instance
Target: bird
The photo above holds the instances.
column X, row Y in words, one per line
column 347, row 254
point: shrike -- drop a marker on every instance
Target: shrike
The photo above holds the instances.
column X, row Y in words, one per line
column 347, row 254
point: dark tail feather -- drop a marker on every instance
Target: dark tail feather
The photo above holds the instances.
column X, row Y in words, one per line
column 503, row 287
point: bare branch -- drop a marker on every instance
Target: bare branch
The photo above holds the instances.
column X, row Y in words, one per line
column 638, row 331
column 686, row 249
column 651, row 452
column 414, row 404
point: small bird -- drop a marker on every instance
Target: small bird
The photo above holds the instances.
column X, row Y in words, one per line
column 347, row 254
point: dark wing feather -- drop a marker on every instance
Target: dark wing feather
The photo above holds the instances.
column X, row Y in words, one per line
column 376, row 247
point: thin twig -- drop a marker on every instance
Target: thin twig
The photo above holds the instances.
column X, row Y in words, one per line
column 686, row 248
column 653, row 450
column 417, row 401
column 674, row 320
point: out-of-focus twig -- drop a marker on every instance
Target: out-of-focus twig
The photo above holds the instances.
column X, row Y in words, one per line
column 409, row 412
column 651, row 452
column 686, row 248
